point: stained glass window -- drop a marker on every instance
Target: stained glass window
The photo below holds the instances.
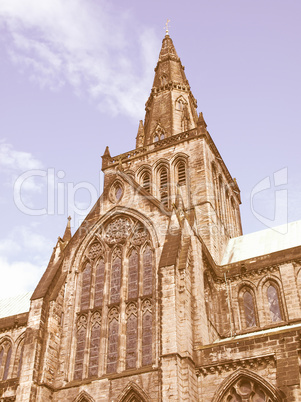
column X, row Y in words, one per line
column 85, row 296
column 274, row 304
column 249, row 309
column 112, row 346
column 116, row 280
column 147, row 338
column 94, row 345
column 133, row 275
column 80, row 351
column 147, row 271
column 131, row 341
column 99, row 283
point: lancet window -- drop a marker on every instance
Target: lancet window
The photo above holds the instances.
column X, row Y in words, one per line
column 121, row 261
column 181, row 170
column 5, row 357
column 274, row 304
column 163, row 186
column 146, row 181
column 247, row 308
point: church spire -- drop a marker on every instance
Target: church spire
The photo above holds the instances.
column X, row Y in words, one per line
column 171, row 107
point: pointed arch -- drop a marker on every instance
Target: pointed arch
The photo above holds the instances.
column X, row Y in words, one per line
column 133, row 393
column 6, row 347
column 159, row 133
column 180, row 102
column 18, row 356
column 133, row 273
column 244, row 381
column 84, row 397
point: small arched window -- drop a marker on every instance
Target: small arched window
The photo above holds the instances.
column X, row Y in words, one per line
column 163, row 79
column 146, row 181
column 181, row 173
column 5, row 357
column 163, row 186
column 249, row 310
column 274, row 305
column 180, row 104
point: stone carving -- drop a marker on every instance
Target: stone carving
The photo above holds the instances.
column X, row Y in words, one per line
column 131, row 309
column 117, row 253
column 113, row 314
column 96, row 319
column 139, row 236
column 82, row 322
column 94, row 250
column 146, row 306
column 118, row 231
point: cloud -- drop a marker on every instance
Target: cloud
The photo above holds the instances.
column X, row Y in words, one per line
column 98, row 51
column 24, row 255
column 16, row 160
column 13, row 163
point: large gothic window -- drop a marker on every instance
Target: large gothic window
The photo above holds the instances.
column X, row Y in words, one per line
column 117, row 271
column 274, row 305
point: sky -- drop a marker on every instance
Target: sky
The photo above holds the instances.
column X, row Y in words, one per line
column 75, row 76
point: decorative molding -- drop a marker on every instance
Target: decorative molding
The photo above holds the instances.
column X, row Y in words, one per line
column 131, row 309
column 113, row 314
column 96, row 318
column 81, row 322
column 230, row 365
column 94, row 250
column 118, row 231
column 146, row 305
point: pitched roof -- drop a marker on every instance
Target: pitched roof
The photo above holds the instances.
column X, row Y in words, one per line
column 263, row 242
column 15, row 305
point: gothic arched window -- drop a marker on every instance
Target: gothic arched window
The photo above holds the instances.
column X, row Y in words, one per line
column 94, row 344
column 146, row 181
column 249, row 309
column 5, row 357
column 181, row 168
column 163, row 176
column 274, row 305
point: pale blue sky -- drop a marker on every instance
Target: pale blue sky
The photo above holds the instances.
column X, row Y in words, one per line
column 75, row 75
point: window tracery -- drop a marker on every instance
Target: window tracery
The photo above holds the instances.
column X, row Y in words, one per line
column 5, row 357
column 118, row 260
column 246, row 390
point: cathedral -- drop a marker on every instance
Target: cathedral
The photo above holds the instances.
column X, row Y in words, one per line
column 158, row 296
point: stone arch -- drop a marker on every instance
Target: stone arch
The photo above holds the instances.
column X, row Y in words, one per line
column 263, row 285
column 249, row 383
column 133, row 393
column 248, row 309
column 84, row 397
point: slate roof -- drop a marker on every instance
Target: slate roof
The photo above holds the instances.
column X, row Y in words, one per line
column 15, row 305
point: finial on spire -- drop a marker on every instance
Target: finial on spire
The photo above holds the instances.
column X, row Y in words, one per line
column 166, row 27
column 67, row 235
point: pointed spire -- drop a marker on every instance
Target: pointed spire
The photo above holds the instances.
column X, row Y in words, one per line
column 202, row 124
column 106, row 158
column 67, row 235
column 140, row 135
column 171, row 100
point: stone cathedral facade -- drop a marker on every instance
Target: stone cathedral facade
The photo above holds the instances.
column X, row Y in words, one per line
column 158, row 296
